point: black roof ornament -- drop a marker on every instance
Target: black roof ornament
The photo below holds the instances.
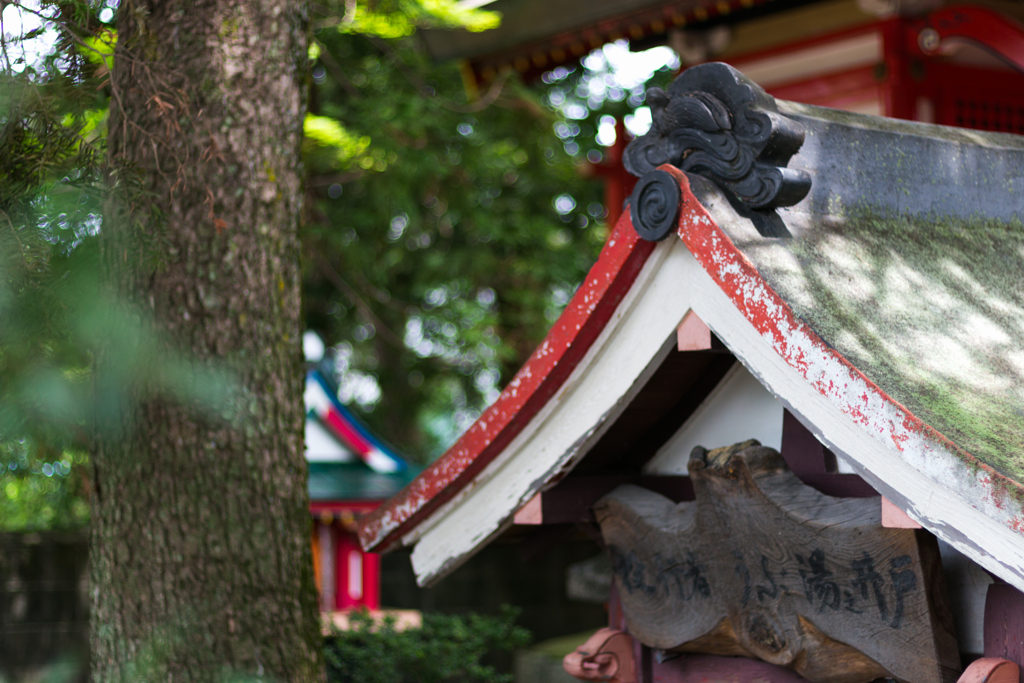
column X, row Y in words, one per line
column 654, row 206
column 717, row 123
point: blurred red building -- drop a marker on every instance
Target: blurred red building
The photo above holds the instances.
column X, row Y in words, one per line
column 350, row 473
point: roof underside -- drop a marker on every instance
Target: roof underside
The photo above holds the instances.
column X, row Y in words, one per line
column 538, row 35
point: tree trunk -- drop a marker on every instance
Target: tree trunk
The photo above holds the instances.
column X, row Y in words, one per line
column 201, row 566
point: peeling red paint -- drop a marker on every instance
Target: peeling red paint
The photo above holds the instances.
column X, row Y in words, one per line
column 533, row 386
column 575, row 331
column 772, row 317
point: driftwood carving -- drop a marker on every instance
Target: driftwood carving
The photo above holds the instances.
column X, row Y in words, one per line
column 763, row 566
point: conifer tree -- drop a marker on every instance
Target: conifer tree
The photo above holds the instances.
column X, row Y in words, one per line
column 200, row 555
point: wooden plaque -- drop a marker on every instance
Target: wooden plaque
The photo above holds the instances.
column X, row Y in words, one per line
column 763, row 566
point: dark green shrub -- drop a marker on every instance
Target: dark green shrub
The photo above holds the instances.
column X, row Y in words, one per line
column 446, row 649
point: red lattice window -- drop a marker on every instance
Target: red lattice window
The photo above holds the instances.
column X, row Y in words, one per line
column 1000, row 115
column 982, row 99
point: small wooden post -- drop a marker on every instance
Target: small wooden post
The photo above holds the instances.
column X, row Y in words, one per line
column 1004, row 623
column 803, row 452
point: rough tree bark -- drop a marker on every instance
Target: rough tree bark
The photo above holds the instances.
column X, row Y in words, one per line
column 201, row 567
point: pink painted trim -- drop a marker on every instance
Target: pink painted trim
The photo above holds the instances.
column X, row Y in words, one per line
column 775, row 321
column 991, row 670
column 895, row 518
column 693, row 334
column 533, row 386
column 532, row 512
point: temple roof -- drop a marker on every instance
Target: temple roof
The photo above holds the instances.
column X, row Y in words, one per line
column 352, row 481
column 865, row 271
column 347, row 462
column 912, row 270
column 931, row 310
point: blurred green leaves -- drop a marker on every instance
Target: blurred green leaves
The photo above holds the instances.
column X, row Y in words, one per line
column 331, row 144
column 436, row 252
column 447, row 648
column 399, row 18
column 42, row 489
column 57, row 317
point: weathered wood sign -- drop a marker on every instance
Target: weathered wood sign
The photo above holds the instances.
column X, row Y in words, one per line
column 761, row 565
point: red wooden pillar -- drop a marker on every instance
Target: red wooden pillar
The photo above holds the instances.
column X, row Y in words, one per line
column 618, row 183
column 899, row 89
column 371, row 580
column 357, row 575
column 350, row 573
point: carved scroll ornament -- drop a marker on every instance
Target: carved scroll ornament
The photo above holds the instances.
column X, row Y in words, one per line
column 654, row 207
column 606, row 656
column 715, row 122
column 763, row 566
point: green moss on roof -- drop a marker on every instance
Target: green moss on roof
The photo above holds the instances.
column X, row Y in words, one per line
column 930, row 309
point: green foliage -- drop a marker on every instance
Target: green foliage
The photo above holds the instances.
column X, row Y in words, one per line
column 50, row 198
column 54, row 185
column 399, row 18
column 52, row 115
column 326, row 133
column 445, row 236
column 446, row 648
column 42, row 489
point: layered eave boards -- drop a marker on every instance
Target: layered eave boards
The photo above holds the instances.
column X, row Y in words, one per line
column 962, row 502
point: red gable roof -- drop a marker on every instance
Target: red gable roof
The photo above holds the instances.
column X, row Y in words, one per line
column 537, row 381
column 609, row 280
column 918, row 393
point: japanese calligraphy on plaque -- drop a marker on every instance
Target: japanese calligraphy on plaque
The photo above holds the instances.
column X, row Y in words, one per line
column 763, row 566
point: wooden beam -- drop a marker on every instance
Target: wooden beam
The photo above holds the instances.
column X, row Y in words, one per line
column 571, row 500
column 803, row 452
column 838, row 485
column 532, row 512
column 815, row 465
column 694, row 335
column 694, row 668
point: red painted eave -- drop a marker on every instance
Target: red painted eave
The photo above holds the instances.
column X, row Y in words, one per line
column 534, row 385
column 590, row 309
column 775, row 321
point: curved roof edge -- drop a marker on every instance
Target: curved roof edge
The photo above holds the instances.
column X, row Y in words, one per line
column 949, row 491
column 570, row 338
column 946, row 489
